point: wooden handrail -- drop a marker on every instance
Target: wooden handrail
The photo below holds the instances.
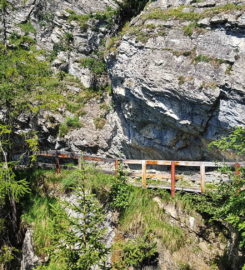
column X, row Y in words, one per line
column 201, row 164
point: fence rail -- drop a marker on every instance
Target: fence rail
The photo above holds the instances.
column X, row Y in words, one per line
column 144, row 175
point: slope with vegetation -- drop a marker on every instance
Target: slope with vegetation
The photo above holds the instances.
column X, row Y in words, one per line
column 76, row 76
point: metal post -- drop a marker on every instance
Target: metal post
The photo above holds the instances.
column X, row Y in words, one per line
column 173, row 177
column 202, row 178
column 144, row 173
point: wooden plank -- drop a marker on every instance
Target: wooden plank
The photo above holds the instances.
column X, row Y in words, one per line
column 237, row 169
column 79, row 163
column 167, row 187
column 158, row 162
column 172, row 179
column 202, row 178
column 144, row 173
column 155, row 175
column 99, row 159
column 132, row 161
column 116, row 165
column 57, row 165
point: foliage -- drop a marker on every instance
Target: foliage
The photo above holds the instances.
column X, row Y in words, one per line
column 69, row 124
column 24, row 77
column 120, row 193
column 9, row 187
column 6, row 254
column 143, row 214
column 139, row 252
column 38, row 214
column 235, row 142
column 97, row 66
column 83, row 19
column 78, row 233
column 189, row 29
column 227, row 203
column 180, row 14
column 28, row 28
column 99, row 122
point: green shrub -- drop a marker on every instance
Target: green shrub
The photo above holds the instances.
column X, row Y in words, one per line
column 119, row 194
column 99, row 122
column 138, row 253
column 70, row 123
column 175, row 13
column 38, row 214
column 28, row 28
column 97, row 66
column 143, row 214
column 189, row 29
column 202, row 58
column 81, row 19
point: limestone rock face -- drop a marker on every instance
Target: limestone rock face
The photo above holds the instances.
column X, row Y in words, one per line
column 29, row 259
column 61, row 27
column 178, row 81
column 177, row 73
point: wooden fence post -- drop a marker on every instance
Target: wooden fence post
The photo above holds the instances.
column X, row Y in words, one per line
column 79, row 163
column 57, row 164
column 116, row 165
column 202, row 177
column 144, row 173
column 173, row 178
column 237, row 169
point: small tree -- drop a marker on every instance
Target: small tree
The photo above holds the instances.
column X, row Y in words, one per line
column 79, row 239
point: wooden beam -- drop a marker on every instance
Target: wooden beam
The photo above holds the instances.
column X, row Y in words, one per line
column 202, row 178
column 158, row 162
column 144, row 173
column 172, row 179
column 132, row 161
column 57, row 165
column 237, row 169
column 79, row 163
column 155, row 175
column 116, row 165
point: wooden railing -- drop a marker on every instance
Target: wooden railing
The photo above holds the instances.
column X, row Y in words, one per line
column 57, row 155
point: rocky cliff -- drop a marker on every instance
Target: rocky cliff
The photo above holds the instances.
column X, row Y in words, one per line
column 178, row 78
column 176, row 72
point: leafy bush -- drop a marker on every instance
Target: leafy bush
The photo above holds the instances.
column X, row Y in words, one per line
column 119, row 194
column 138, row 253
column 235, row 142
column 78, row 238
column 143, row 214
column 69, row 124
column 97, row 66
column 28, row 28
column 99, row 122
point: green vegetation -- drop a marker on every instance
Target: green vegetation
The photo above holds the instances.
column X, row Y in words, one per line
column 180, row 14
column 81, row 19
column 175, row 13
column 70, row 123
column 97, row 66
column 144, row 214
column 137, row 252
column 189, row 29
column 99, row 122
column 28, row 28
column 235, row 142
column 226, row 204
column 107, row 16
column 56, row 232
